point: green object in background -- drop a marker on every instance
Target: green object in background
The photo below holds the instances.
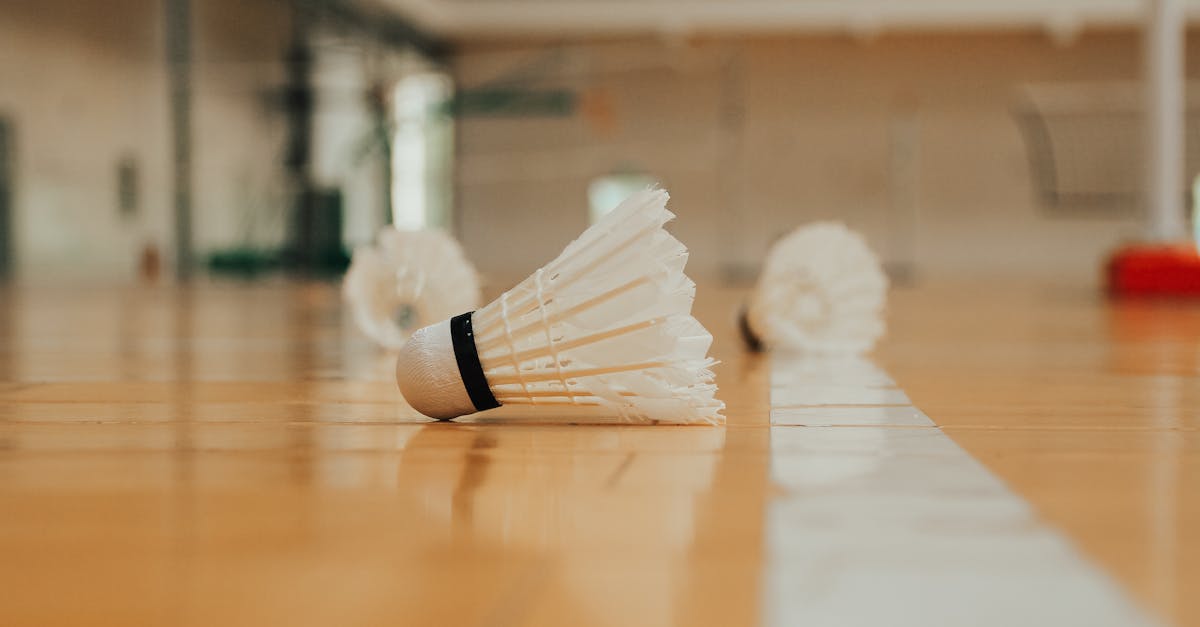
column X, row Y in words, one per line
column 319, row 253
column 252, row 263
column 316, row 249
column 243, row 262
column 508, row 101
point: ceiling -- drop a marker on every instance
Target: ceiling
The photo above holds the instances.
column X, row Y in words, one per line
column 555, row 18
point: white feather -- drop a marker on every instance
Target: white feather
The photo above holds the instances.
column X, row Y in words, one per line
column 821, row 290
column 606, row 325
column 408, row 280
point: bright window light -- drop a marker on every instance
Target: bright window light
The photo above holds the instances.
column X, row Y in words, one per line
column 606, row 192
column 1196, row 211
column 421, row 151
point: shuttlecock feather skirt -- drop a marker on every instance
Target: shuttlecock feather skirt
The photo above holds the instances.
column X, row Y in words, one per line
column 606, row 325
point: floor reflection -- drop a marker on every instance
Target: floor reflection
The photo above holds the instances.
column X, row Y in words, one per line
column 619, row 510
column 1160, row 340
column 548, row 488
column 209, row 442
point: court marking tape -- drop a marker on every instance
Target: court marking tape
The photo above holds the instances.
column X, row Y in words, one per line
column 882, row 519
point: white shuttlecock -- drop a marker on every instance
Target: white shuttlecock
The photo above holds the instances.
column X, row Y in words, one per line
column 821, row 290
column 406, row 281
column 606, row 326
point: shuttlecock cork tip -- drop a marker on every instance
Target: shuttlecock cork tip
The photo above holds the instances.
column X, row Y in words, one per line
column 428, row 375
column 439, row 373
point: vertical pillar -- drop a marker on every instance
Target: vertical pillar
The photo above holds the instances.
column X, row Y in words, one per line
column 179, row 78
column 1164, row 43
column 8, row 178
column 298, row 110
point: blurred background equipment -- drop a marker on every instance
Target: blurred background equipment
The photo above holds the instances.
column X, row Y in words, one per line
column 1083, row 141
column 822, row 291
column 1166, row 264
column 278, row 134
column 409, row 279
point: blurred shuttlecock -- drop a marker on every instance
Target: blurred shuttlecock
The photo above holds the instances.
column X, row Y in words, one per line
column 821, row 290
column 606, row 327
column 406, row 281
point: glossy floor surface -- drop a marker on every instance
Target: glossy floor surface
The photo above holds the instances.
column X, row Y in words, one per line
column 237, row 454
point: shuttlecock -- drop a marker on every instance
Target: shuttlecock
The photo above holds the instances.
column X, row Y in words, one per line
column 606, row 326
column 821, row 290
column 406, row 281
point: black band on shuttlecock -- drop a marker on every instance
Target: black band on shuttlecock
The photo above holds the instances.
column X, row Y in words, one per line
column 462, row 335
column 753, row 342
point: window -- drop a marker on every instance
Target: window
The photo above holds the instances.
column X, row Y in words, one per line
column 1196, row 211
column 422, row 151
column 606, row 192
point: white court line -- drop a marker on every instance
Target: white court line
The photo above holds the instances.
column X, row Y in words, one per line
column 884, row 520
column 827, row 416
column 813, row 395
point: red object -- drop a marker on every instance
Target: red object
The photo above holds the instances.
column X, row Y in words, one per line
column 1155, row 269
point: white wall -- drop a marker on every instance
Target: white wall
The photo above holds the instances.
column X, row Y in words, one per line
column 85, row 85
column 817, row 120
column 238, row 123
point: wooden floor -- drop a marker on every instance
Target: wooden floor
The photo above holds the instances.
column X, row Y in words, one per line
column 237, row 454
